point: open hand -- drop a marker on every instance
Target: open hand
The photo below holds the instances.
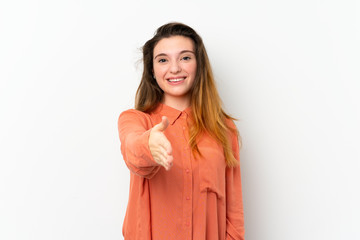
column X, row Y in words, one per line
column 160, row 146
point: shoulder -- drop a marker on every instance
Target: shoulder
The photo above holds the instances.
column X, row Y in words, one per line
column 230, row 124
column 234, row 134
column 134, row 116
column 133, row 113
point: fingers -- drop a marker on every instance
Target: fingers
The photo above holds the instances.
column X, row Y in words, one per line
column 166, row 145
column 164, row 159
column 160, row 146
column 168, row 163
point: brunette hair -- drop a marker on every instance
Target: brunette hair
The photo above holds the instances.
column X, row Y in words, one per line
column 208, row 115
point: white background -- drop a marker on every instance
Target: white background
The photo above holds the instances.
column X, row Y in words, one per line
column 288, row 70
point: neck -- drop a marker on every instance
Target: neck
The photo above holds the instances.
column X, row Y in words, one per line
column 179, row 103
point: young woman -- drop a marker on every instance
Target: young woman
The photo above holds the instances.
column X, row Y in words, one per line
column 180, row 146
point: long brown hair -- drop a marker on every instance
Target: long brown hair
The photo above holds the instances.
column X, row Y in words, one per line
column 208, row 114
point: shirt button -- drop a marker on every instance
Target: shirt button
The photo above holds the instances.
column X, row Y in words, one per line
column 183, row 128
column 187, row 170
column 187, row 198
column 187, row 223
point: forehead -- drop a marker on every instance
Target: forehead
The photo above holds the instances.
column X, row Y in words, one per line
column 173, row 45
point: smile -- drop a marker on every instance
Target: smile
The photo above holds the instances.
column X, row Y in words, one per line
column 176, row 79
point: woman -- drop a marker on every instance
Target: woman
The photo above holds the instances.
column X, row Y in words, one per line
column 180, row 146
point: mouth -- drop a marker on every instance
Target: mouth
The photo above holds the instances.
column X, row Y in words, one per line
column 176, row 80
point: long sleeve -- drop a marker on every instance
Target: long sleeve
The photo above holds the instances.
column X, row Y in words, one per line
column 134, row 130
column 234, row 204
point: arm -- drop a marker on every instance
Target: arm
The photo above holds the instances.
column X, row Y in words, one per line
column 234, row 204
column 134, row 130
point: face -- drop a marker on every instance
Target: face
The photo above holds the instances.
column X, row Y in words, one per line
column 175, row 67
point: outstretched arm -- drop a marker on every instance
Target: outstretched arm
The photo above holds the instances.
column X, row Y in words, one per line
column 144, row 148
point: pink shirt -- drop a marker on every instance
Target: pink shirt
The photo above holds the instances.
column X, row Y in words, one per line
column 196, row 199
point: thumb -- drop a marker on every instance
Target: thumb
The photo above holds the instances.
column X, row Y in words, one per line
column 163, row 124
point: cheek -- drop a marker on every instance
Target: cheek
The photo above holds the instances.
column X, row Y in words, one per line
column 192, row 69
column 159, row 70
column 159, row 83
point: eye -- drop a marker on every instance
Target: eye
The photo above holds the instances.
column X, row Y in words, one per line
column 186, row 58
column 162, row 60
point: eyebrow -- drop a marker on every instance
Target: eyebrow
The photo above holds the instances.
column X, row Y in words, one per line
column 183, row 51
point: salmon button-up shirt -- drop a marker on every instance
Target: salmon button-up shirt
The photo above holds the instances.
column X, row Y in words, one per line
column 198, row 198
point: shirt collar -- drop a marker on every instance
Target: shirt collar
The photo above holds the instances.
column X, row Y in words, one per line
column 171, row 113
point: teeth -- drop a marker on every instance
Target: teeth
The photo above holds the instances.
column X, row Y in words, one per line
column 176, row 79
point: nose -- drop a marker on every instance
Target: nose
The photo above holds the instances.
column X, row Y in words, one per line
column 175, row 67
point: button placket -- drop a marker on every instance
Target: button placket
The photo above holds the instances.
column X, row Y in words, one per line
column 187, row 194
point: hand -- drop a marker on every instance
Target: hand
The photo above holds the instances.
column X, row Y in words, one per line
column 160, row 146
